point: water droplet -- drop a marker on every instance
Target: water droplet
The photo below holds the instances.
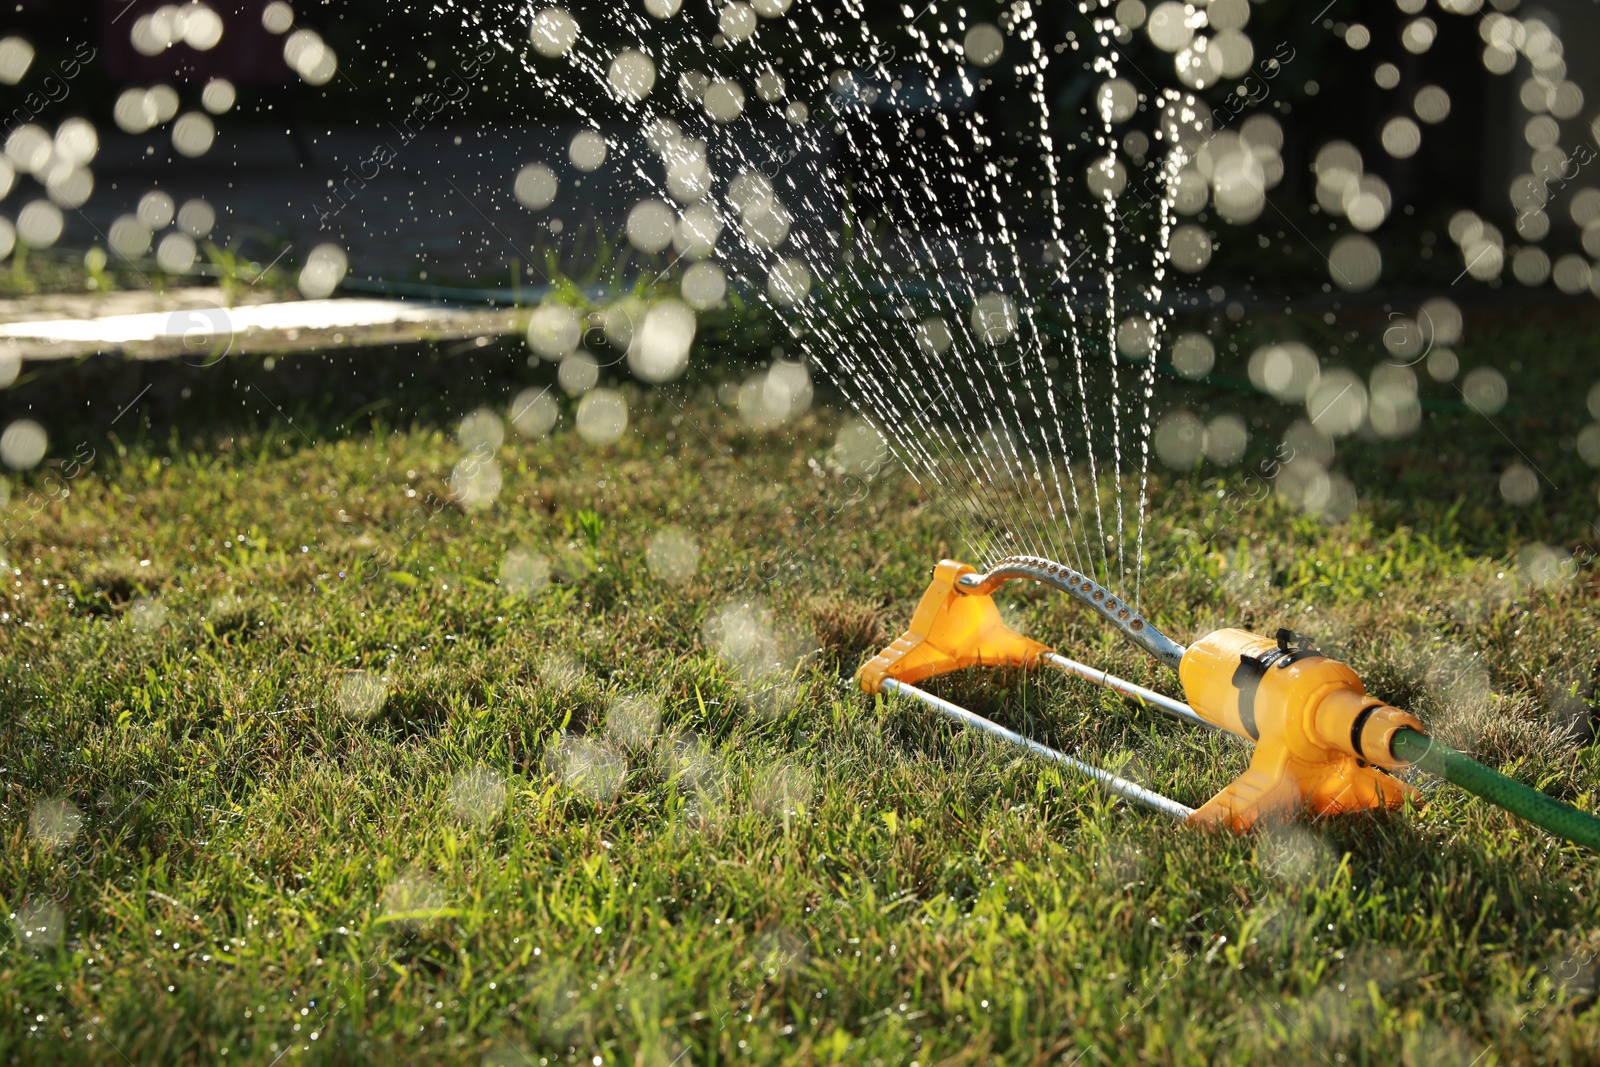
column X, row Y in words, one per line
column 197, row 218
column 146, row 615
column 704, row 286
column 1519, row 485
column 788, row 282
column 481, row 432
column 672, row 555
column 554, row 331
column 933, row 337
column 324, row 269
column 1136, row 336
column 1401, row 137
column 1193, row 355
column 309, row 56
column 724, row 100
column 1531, row 266
column 524, row 572
column 176, row 253
column 1226, row 439
column 1431, row 104
column 782, row 789
column 163, row 101
column 1169, row 27
column 129, row 237
column 277, row 17
column 578, row 373
column 1337, row 402
column 660, row 348
column 55, row 821
column 1107, row 177
column 219, row 96
column 1544, row 566
column 1287, row 370
column 1190, row 248
column 1485, row 389
column 1418, row 35
column 651, row 225
column 414, row 891
column 476, row 481
column 1179, row 439
column 1443, row 365
column 477, row 796
column 534, row 413
column 77, row 142
column 30, row 148
column 983, row 44
column 155, row 210
column 770, row 86
column 587, row 767
column 994, row 318
column 632, row 75
column 1117, row 100
column 1354, row 263
column 23, row 444
column 602, row 417
column 16, row 56
column 359, row 694
column 858, row 449
column 40, row 926
column 536, row 186
column 633, row 721
column 737, row 22
column 587, row 150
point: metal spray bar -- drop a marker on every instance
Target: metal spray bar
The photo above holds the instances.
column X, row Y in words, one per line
column 1086, row 589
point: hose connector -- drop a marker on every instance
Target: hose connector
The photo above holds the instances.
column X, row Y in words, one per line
column 1350, row 720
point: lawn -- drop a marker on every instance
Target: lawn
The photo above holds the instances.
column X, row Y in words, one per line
column 305, row 762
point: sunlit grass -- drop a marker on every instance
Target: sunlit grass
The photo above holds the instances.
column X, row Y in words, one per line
column 293, row 775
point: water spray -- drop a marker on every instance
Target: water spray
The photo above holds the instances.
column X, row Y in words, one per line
column 1323, row 745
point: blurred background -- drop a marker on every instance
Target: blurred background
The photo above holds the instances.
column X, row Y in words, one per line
column 302, row 96
column 1360, row 188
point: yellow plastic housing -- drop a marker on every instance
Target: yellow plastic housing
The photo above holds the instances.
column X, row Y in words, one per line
column 950, row 630
column 1320, row 738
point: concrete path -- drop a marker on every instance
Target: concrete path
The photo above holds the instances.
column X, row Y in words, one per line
column 204, row 324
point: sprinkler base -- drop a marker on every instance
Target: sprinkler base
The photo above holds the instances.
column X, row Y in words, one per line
column 1320, row 740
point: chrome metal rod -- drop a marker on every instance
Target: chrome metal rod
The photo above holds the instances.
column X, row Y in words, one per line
column 1097, row 596
column 1176, row 708
column 1106, row 780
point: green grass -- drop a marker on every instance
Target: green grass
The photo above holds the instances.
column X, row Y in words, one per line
column 487, row 848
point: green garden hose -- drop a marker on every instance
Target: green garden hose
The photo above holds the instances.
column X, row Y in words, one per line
column 1560, row 819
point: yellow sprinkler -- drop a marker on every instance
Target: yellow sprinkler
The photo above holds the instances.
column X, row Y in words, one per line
column 1322, row 743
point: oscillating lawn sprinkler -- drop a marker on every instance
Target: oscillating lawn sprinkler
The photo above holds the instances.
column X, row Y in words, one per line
column 1323, row 744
